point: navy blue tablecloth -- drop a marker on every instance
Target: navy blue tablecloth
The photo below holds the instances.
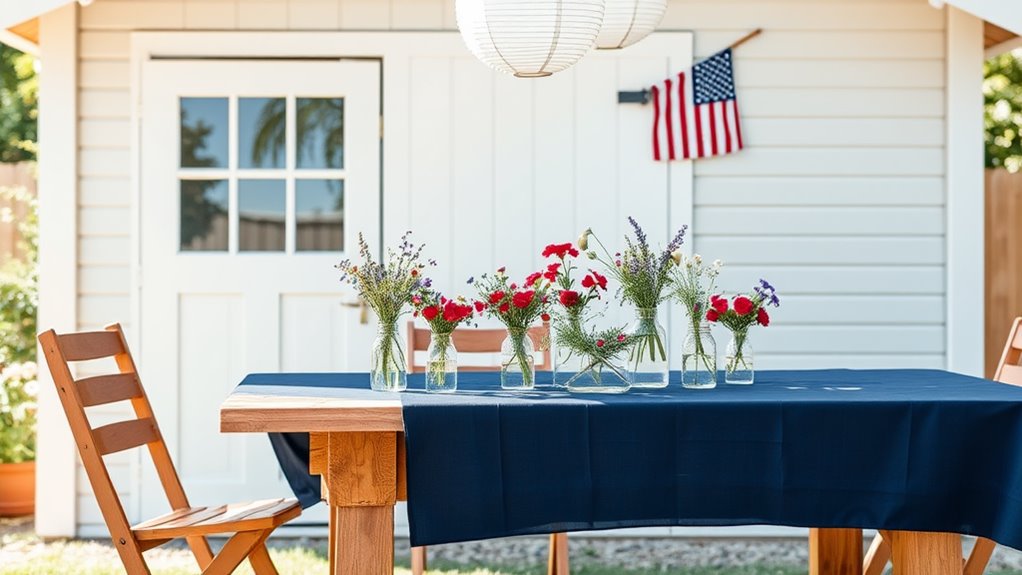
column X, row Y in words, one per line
column 921, row 450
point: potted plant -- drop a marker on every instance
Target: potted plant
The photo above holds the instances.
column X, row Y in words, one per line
column 18, row 387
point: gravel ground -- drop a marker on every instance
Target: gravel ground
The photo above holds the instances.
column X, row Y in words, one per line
column 18, row 543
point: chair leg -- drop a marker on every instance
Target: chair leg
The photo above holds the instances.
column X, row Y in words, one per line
column 234, row 552
column 877, row 557
column 979, row 557
column 419, row 560
column 200, row 549
column 261, row 562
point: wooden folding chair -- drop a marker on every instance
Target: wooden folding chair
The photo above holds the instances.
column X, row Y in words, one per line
column 1008, row 371
column 250, row 523
column 487, row 341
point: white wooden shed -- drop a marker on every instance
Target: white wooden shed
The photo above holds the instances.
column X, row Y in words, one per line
column 859, row 194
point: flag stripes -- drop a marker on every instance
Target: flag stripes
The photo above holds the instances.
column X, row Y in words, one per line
column 695, row 114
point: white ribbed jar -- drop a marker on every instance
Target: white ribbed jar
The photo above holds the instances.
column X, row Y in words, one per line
column 625, row 22
column 529, row 38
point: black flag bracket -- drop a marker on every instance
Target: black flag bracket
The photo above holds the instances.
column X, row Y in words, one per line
column 643, row 96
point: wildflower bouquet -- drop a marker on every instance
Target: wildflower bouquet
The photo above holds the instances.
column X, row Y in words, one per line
column 738, row 315
column 443, row 315
column 598, row 349
column 387, row 286
column 517, row 307
column 644, row 275
column 693, row 283
column 18, row 389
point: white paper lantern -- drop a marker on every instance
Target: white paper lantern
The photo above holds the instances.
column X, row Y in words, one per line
column 529, row 38
column 625, row 22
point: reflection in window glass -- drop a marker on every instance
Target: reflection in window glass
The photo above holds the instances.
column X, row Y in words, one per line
column 204, row 215
column 261, row 132
column 203, row 132
column 320, row 123
column 261, row 208
column 319, row 211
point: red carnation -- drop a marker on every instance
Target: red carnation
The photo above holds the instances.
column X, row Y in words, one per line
column 480, row 306
column 545, row 317
column 533, row 278
column 588, row 282
column 762, row 317
column 573, row 252
column 504, row 307
column 430, row 312
column 568, row 298
column 712, row 315
column 743, row 305
column 601, row 280
column 553, row 267
column 719, row 304
column 496, row 296
column 455, row 312
column 522, row 299
column 559, row 250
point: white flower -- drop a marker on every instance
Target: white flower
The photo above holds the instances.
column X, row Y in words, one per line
column 31, row 387
column 698, row 259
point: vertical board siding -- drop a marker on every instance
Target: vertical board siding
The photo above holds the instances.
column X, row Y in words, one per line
column 839, row 198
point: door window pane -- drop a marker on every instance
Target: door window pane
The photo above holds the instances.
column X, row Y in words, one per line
column 261, row 132
column 320, row 125
column 261, row 207
column 203, row 132
column 319, row 211
column 204, row 215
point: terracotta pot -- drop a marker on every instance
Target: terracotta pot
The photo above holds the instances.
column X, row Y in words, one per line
column 17, row 489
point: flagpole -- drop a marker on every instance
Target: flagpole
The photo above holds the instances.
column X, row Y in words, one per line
column 746, row 38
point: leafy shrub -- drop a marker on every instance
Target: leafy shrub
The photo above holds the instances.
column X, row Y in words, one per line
column 18, row 280
column 18, row 388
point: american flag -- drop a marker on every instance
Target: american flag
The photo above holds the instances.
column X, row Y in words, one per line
column 695, row 114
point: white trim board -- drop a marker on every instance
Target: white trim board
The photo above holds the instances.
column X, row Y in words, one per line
column 965, row 195
column 56, row 492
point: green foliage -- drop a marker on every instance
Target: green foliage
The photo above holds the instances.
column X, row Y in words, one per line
column 1002, row 91
column 18, row 286
column 18, row 388
column 18, row 109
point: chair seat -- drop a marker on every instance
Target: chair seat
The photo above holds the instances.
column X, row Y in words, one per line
column 233, row 518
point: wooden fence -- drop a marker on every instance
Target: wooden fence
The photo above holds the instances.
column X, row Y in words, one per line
column 1003, row 259
column 13, row 176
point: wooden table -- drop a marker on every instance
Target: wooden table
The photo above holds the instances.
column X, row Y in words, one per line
column 358, row 448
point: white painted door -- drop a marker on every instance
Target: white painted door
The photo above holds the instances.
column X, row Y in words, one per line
column 255, row 178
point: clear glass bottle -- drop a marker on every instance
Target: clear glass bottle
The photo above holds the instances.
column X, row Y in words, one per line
column 738, row 358
column 600, row 375
column 441, row 364
column 647, row 364
column 517, row 361
column 566, row 362
column 387, row 360
column 699, row 358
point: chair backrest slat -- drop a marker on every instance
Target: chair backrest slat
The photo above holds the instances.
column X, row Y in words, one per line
column 476, row 341
column 125, row 435
column 84, row 346
column 103, row 389
column 1011, row 374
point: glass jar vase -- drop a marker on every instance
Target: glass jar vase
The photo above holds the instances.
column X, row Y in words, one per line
column 517, row 361
column 738, row 359
column 647, row 363
column 600, row 375
column 387, row 371
column 441, row 364
column 699, row 358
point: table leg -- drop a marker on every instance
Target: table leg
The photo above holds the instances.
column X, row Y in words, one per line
column 360, row 485
column 363, row 540
column 557, row 563
column 919, row 553
column 835, row 552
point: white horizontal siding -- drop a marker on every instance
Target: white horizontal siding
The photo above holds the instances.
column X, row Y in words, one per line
column 839, row 199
